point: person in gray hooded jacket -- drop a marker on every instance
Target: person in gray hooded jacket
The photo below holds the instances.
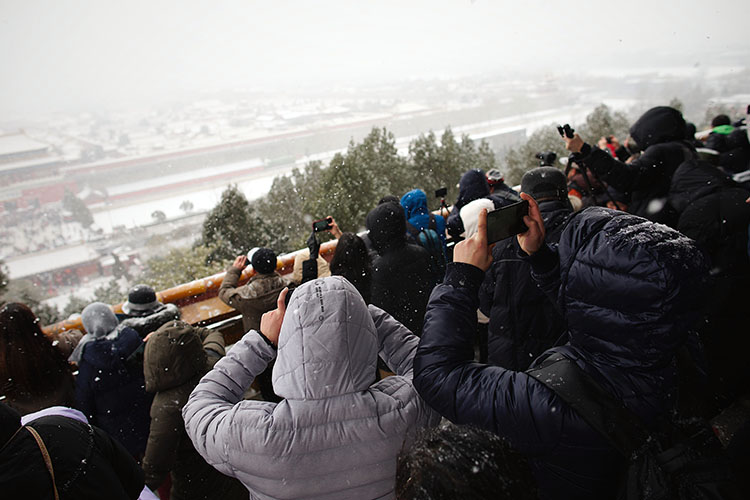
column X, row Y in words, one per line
column 337, row 432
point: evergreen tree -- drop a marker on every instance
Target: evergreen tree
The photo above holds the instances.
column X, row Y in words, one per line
column 289, row 207
column 520, row 159
column 25, row 292
column 355, row 181
column 3, row 278
column 441, row 164
column 180, row 266
column 158, row 216
column 602, row 122
column 77, row 208
column 232, row 228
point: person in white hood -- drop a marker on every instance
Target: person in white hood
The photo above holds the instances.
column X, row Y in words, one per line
column 338, row 431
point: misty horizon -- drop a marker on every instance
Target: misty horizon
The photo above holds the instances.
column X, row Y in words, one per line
column 104, row 56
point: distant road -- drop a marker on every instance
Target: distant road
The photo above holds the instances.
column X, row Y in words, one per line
column 131, row 204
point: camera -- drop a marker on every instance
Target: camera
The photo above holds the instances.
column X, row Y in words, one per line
column 322, row 225
column 565, row 131
column 440, row 193
column 546, row 158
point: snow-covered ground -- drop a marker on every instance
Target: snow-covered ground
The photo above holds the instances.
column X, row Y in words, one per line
column 203, row 200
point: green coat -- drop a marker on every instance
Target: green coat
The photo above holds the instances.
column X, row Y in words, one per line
column 177, row 355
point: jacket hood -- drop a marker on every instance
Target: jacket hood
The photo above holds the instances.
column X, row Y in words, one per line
column 98, row 319
column 174, row 355
column 414, row 203
column 695, row 179
column 147, row 324
column 110, row 354
column 630, row 288
column 387, row 225
column 657, row 125
column 473, row 185
column 328, row 343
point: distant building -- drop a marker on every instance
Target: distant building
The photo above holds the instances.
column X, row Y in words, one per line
column 26, row 168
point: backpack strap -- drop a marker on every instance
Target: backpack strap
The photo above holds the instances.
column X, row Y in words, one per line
column 608, row 416
column 45, row 455
column 413, row 231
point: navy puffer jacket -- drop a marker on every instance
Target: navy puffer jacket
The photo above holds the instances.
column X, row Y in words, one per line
column 111, row 391
column 524, row 322
column 629, row 290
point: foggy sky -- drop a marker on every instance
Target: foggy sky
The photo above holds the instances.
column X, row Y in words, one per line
column 74, row 55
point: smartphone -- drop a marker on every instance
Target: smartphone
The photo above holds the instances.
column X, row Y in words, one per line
column 440, row 193
column 322, row 224
column 507, row 221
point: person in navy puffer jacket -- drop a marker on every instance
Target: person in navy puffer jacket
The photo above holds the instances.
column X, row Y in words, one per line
column 110, row 387
column 629, row 290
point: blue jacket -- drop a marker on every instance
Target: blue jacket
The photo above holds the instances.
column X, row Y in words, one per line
column 629, row 290
column 110, row 389
column 417, row 214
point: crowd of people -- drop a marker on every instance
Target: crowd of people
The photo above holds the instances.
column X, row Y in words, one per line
column 422, row 360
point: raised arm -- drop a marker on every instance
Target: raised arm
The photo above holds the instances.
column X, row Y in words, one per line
column 397, row 345
column 209, row 418
column 228, row 291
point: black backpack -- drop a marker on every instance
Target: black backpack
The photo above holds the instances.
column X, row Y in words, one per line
column 681, row 460
column 429, row 239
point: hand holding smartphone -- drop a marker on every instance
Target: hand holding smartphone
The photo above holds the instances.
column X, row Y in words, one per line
column 322, row 225
column 507, row 221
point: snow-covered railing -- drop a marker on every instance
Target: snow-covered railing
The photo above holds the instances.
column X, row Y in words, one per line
column 198, row 300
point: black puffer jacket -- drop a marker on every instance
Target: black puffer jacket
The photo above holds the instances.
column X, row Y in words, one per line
column 660, row 133
column 714, row 213
column 737, row 157
column 88, row 464
column 523, row 321
column 629, row 290
column 402, row 278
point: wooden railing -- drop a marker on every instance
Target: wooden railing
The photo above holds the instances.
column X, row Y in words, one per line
column 199, row 302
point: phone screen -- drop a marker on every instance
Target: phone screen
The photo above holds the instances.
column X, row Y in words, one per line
column 505, row 222
column 321, row 225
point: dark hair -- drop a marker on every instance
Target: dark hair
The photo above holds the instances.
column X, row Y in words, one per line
column 720, row 120
column 352, row 261
column 388, row 199
column 457, row 461
column 31, row 367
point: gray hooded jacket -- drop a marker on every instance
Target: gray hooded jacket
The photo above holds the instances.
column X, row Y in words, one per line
column 337, row 432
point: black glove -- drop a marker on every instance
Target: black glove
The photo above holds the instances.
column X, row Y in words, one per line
column 314, row 245
column 740, row 122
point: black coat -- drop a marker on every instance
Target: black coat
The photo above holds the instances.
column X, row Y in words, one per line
column 713, row 212
column 629, row 291
column 472, row 186
column 88, row 464
column 402, row 276
column 660, row 133
column 523, row 321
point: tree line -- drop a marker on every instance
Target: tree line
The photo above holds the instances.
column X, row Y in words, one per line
column 347, row 188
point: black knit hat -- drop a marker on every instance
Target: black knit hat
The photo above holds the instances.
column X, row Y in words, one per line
column 545, row 182
column 141, row 301
column 264, row 261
